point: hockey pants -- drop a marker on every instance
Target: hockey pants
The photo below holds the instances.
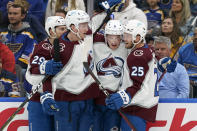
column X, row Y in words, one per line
column 73, row 116
column 105, row 119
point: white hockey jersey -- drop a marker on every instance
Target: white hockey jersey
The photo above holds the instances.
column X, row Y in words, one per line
column 139, row 81
column 73, row 82
column 74, row 77
column 109, row 64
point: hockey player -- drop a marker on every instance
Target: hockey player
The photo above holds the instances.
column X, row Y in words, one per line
column 40, row 120
column 73, row 88
column 110, row 55
column 138, row 96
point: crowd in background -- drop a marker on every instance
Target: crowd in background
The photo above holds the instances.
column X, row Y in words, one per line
column 21, row 29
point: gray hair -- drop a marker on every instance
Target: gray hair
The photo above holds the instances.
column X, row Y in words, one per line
column 163, row 40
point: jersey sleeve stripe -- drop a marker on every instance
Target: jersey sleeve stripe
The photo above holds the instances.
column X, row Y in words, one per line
column 28, row 34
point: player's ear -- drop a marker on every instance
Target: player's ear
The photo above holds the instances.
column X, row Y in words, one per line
column 73, row 28
column 137, row 38
column 51, row 32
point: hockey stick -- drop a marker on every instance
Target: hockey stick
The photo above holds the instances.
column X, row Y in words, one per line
column 107, row 94
column 56, row 58
column 185, row 38
column 106, row 19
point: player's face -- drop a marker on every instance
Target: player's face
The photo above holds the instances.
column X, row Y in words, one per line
column 161, row 50
column 60, row 30
column 167, row 26
column 195, row 39
column 14, row 15
column 176, row 6
column 128, row 40
column 83, row 29
column 113, row 41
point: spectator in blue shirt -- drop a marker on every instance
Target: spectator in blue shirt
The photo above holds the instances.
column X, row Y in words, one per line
column 37, row 8
column 174, row 84
column 165, row 5
column 154, row 15
column 32, row 20
column 188, row 58
column 18, row 35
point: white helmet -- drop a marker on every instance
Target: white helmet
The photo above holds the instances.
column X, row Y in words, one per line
column 54, row 21
column 136, row 27
column 114, row 27
column 76, row 17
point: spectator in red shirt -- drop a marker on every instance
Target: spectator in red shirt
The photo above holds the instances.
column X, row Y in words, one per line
column 7, row 71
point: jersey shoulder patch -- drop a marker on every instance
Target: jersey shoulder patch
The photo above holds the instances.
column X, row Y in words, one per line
column 43, row 48
column 143, row 53
column 45, row 45
column 138, row 52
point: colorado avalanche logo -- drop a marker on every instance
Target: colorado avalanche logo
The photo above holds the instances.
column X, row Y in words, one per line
column 90, row 62
column 138, row 53
column 46, row 46
column 110, row 66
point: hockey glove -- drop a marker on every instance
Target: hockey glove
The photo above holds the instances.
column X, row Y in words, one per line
column 109, row 4
column 168, row 64
column 50, row 67
column 118, row 100
column 49, row 105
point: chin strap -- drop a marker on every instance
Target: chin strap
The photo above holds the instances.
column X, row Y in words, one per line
column 77, row 34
